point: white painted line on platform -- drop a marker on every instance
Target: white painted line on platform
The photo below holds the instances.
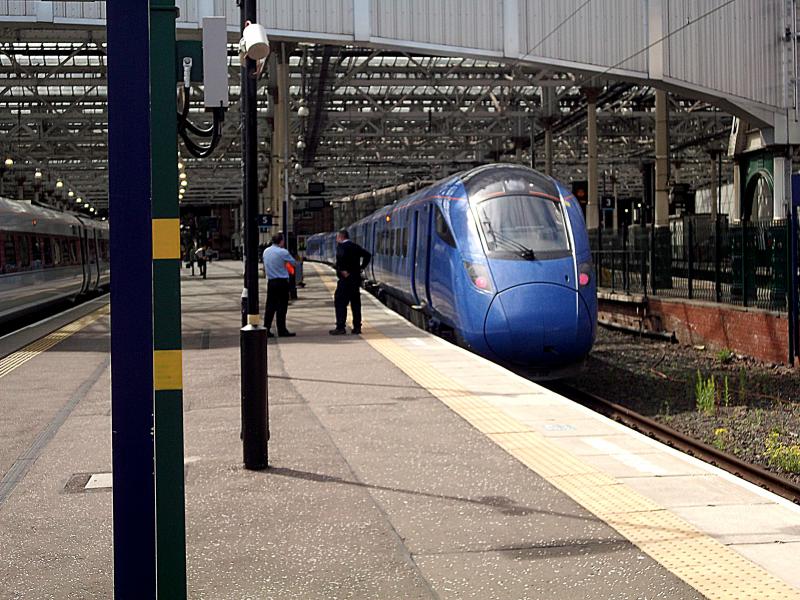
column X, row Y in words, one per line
column 630, row 459
column 417, row 341
column 98, row 481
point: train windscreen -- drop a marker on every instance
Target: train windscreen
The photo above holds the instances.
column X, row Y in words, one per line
column 524, row 226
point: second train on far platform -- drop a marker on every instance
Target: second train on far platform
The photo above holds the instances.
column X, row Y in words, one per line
column 498, row 254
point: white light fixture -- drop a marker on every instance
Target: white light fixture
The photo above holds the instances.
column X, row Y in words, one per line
column 182, row 175
column 184, row 183
column 59, row 184
column 79, row 200
column 180, row 165
column 301, row 144
column 38, row 174
column 302, row 111
column 9, row 162
column 70, row 194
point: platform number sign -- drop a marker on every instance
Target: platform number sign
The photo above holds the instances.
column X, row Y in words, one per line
column 264, row 223
column 607, row 202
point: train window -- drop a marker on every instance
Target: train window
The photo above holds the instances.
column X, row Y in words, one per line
column 24, row 252
column 56, row 250
column 443, row 230
column 525, row 226
column 47, row 251
column 405, row 241
column 36, row 251
column 9, row 264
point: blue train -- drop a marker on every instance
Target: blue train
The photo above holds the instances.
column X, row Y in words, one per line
column 498, row 254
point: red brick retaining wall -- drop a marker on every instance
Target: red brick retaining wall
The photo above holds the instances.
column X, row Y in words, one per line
column 761, row 334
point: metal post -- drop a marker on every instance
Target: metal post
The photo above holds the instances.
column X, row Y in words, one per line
column 131, row 303
column 283, row 92
column 794, row 315
column 717, row 240
column 592, row 205
column 168, row 380
column 253, row 337
column 690, row 256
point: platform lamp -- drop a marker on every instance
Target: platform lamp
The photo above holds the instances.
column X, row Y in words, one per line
column 37, row 185
column 7, row 165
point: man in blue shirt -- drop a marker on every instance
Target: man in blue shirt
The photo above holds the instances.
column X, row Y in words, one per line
column 275, row 258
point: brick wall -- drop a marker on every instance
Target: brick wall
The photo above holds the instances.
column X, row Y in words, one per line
column 761, row 334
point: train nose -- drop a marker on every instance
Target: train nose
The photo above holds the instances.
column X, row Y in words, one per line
column 537, row 323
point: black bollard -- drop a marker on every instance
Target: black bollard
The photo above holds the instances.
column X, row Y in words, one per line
column 255, row 413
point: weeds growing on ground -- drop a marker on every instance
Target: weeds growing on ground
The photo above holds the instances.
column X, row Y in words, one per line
column 705, row 393
column 721, row 438
column 783, row 456
column 725, row 356
column 742, row 386
column 726, row 394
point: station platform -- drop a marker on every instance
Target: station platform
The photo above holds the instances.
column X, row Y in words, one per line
column 401, row 467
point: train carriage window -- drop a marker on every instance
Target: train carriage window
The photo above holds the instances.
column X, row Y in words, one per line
column 47, row 251
column 405, row 241
column 9, row 264
column 36, row 251
column 443, row 231
column 56, row 250
column 24, row 252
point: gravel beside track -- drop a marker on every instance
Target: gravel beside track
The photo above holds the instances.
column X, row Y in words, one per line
column 758, row 420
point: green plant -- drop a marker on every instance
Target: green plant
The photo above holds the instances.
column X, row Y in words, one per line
column 725, row 356
column 705, row 393
column 783, row 456
column 726, row 393
column 721, row 438
column 742, row 386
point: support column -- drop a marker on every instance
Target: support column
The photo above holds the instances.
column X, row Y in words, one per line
column 283, row 92
column 615, row 213
column 277, row 149
column 662, row 160
column 662, row 257
column 167, row 356
column 714, row 209
column 131, row 305
column 736, row 207
column 548, row 147
column 781, row 186
column 592, row 203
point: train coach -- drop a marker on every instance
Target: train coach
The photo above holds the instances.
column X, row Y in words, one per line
column 498, row 254
column 47, row 256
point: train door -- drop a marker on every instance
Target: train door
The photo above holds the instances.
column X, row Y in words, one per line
column 94, row 252
column 421, row 255
column 85, row 260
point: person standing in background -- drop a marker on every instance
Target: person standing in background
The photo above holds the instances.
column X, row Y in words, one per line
column 275, row 259
column 350, row 260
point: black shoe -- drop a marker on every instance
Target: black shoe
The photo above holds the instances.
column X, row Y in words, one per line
column 286, row 334
column 338, row 331
column 270, row 334
column 356, row 331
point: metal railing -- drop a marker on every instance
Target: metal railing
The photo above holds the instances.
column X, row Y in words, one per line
column 696, row 257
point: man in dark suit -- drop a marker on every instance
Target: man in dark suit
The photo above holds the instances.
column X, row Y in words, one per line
column 350, row 260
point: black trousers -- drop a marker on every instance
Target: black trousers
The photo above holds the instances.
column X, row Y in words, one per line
column 277, row 303
column 348, row 291
column 203, row 267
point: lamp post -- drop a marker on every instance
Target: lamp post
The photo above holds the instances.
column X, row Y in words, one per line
column 253, row 336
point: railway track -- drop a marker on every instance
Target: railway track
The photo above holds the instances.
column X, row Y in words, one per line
column 724, row 460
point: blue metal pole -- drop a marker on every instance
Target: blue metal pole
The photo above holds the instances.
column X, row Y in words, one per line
column 131, row 299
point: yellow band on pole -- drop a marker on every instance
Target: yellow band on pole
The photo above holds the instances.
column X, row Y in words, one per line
column 167, row 370
column 166, row 238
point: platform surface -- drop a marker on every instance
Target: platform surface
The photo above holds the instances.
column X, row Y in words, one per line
column 401, row 467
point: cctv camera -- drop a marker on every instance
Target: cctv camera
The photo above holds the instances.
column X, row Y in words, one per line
column 254, row 42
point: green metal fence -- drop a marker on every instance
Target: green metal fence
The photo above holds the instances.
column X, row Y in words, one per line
column 746, row 264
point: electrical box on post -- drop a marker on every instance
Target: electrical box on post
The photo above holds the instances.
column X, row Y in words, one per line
column 215, row 62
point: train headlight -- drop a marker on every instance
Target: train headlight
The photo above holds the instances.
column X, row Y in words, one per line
column 585, row 274
column 479, row 275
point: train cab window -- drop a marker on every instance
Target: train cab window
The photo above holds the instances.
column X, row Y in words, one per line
column 443, row 231
column 524, row 226
column 9, row 264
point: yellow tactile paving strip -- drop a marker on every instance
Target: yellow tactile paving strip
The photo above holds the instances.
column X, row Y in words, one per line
column 34, row 349
column 710, row 567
